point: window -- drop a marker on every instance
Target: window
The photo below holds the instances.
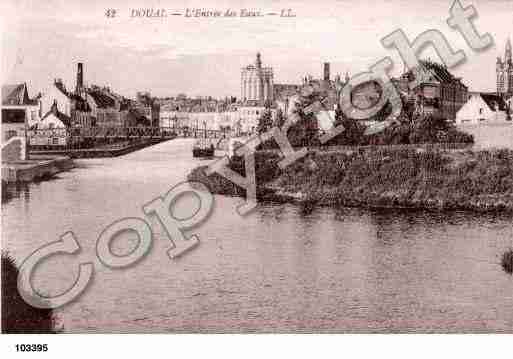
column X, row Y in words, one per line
column 10, row 134
column 480, row 111
column 51, row 126
column 55, row 141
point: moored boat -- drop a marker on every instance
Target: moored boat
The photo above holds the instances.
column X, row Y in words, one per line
column 203, row 148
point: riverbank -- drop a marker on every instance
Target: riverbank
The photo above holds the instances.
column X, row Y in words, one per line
column 39, row 167
column 417, row 179
column 18, row 317
column 111, row 150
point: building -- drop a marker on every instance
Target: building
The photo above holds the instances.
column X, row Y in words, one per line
column 52, row 129
column 257, row 84
column 148, row 107
column 440, row 93
column 107, row 108
column 248, row 117
column 54, row 119
column 504, row 69
column 72, row 103
column 482, row 108
column 285, row 91
column 18, row 110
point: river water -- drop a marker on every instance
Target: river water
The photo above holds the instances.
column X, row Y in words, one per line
column 276, row 270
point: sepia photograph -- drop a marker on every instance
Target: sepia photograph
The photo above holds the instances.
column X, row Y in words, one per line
column 256, row 167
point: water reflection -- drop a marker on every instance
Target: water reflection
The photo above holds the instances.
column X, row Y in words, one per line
column 280, row 269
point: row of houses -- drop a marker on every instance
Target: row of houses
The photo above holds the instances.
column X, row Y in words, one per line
column 237, row 118
column 84, row 107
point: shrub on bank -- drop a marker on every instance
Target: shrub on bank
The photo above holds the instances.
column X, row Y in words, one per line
column 17, row 315
column 423, row 130
column 266, row 170
column 507, row 261
column 386, row 177
column 426, row 179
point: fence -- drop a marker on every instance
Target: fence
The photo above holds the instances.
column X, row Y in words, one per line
column 94, row 137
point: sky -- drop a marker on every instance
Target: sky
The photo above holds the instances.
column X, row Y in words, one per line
column 44, row 40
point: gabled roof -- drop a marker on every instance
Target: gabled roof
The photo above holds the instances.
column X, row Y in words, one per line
column 66, row 120
column 60, row 86
column 80, row 103
column 492, row 99
column 16, row 94
column 101, row 99
column 438, row 71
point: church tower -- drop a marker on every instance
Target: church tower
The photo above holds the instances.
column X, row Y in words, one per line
column 257, row 86
column 508, row 51
column 504, row 70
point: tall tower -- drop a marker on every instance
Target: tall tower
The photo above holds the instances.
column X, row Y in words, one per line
column 257, row 82
column 80, row 78
column 258, row 62
column 260, row 79
column 326, row 75
column 504, row 70
column 507, row 56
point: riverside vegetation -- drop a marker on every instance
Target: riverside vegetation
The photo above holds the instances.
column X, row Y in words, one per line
column 379, row 175
column 18, row 316
column 421, row 179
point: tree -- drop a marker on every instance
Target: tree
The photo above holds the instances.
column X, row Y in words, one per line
column 279, row 121
column 265, row 122
column 353, row 131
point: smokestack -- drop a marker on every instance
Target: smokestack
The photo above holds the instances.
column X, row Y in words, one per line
column 80, row 77
column 326, row 71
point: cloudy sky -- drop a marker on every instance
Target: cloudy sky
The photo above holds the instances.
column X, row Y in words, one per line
column 43, row 40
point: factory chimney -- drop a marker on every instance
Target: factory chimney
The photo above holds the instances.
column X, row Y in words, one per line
column 80, row 78
column 326, row 71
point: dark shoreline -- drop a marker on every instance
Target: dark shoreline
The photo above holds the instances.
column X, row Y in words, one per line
column 106, row 151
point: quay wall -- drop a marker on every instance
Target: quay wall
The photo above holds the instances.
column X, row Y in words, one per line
column 105, row 151
column 37, row 168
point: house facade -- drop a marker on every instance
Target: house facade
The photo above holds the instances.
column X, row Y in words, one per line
column 52, row 129
column 19, row 112
column 107, row 109
column 70, row 103
column 439, row 93
column 482, row 108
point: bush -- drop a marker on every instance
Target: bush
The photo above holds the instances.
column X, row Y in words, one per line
column 422, row 130
column 507, row 261
column 17, row 315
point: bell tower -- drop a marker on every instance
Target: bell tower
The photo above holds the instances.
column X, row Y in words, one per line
column 504, row 70
column 507, row 55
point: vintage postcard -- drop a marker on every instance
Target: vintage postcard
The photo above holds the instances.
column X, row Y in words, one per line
column 256, row 167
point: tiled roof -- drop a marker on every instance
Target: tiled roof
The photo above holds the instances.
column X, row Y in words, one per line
column 492, row 99
column 66, row 120
column 60, row 86
column 16, row 94
column 102, row 100
column 440, row 72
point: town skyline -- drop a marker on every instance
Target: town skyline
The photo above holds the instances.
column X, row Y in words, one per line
column 205, row 59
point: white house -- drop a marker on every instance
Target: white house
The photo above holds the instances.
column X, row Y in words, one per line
column 52, row 129
column 56, row 93
column 482, row 108
column 54, row 119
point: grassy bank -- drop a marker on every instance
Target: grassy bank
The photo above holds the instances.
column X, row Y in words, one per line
column 480, row 181
column 18, row 316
